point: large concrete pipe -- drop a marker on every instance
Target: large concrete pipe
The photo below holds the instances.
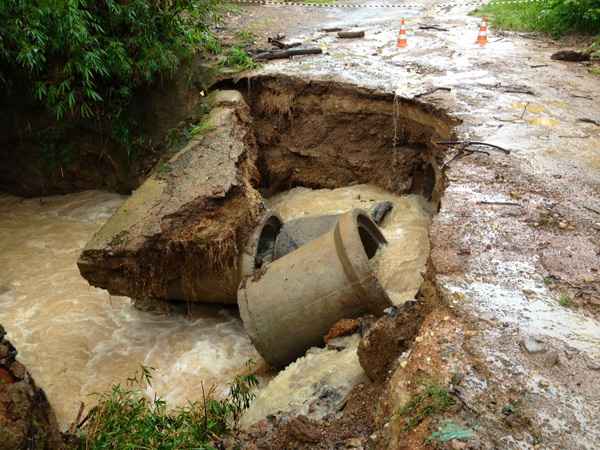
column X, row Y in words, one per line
column 297, row 232
column 290, row 304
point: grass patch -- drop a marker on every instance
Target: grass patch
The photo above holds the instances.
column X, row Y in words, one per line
column 238, row 59
column 245, row 37
column 555, row 17
column 525, row 17
column 594, row 71
column 433, row 399
column 565, row 300
column 125, row 418
column 198, row 129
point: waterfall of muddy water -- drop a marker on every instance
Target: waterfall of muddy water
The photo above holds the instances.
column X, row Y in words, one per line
column 77, row 340
column 398, row 266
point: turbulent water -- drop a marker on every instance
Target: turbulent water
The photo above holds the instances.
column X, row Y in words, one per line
column 77, row 340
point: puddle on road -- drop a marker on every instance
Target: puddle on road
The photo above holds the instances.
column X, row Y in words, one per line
column 544, row 121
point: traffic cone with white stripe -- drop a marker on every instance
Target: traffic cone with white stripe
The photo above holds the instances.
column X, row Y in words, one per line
column 482, row 36
column 402, row 42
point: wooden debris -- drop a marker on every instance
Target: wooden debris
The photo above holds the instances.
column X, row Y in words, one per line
column 470, row 143
column 571, row 56
column 351, row 34
column 282, row 45
column 483, row 202
column 281, row 54
column 331, row 30
column 432, row 27
column 431, row 91
column 588, row 120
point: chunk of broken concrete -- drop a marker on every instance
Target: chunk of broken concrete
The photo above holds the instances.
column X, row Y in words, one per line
column 533, row 345
column 315, row 385
column 178, row 235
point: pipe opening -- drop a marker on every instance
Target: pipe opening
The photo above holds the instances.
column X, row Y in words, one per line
column 370, row 238
column 265, row 249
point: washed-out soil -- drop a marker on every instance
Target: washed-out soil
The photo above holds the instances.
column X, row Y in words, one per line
column 352, row 428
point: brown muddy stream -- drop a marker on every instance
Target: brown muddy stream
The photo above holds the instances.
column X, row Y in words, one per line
column 77, row 340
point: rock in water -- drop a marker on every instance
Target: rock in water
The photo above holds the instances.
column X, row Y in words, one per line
column 27, row 420
column 178, row 235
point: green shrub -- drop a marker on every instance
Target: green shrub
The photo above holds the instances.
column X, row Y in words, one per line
column 84, row 58
column 126, row 419
column 237, row 58
column 556, row 17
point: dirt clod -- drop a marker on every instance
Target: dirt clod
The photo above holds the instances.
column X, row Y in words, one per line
column 387, row 339
column 343, row 327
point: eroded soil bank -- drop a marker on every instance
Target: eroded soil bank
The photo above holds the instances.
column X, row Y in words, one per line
column 181, row 235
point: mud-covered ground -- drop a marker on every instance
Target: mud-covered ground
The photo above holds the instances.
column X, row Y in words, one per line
column 515, row 332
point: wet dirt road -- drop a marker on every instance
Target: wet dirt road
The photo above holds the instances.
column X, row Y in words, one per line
column 516, row 243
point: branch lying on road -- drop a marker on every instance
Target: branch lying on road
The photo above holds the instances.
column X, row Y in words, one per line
column 432, row 27
column 499, row 203
column 351, row 34
column 281, row 54
column 466, row 144
column 441, row 88
column 281, row 45
column 587, row 120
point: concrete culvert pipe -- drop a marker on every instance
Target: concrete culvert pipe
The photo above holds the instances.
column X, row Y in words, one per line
column 297, row 232
column 290, row 304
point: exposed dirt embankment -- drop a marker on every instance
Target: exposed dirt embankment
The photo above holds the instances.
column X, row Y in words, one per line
column 26, row 418
column 327, row 134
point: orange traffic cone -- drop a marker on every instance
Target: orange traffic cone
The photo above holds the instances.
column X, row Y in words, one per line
column 482, row 36
column 402, row 35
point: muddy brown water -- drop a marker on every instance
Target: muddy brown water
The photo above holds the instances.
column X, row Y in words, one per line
column 78, row 340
